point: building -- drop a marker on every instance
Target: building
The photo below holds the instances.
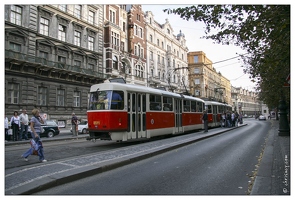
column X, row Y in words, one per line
column 246, row 102
column 53, row 54
column 205, row 81
column 166, row 56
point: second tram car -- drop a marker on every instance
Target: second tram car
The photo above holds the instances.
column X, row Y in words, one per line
column 215, row 111
column 125, row 112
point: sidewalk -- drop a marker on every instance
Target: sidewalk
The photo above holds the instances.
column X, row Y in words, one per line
column 273, row 176
column 27, row 180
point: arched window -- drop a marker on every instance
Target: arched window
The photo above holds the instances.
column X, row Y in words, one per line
column 115, row 62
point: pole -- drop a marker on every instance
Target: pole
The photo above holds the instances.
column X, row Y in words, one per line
column 284, row 129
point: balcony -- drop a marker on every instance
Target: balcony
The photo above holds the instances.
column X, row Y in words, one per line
column 20, row 59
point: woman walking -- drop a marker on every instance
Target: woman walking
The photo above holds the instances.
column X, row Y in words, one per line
column 36, row 122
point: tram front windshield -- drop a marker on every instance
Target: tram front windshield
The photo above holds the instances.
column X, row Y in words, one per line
column 106, row 100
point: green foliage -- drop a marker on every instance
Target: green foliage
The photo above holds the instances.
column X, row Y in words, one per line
column 263, row 31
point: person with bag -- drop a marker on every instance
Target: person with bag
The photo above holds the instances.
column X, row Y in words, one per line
column 74, row 125
column 36, row 143
column 15, row 122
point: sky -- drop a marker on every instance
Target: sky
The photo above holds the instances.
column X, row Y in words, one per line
column 193, row 31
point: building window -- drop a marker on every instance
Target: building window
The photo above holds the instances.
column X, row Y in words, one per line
column 63, row 7
column 168, row 30
column 115, row 62
column 196, row 70
column 140, row 33
column 135, row 30
column 15, row 47
column 173, row 63
column 43, row 54
column 62, row 33
column 139, row 71
column 151, row 38
column 197, row 81
column 42, row 95
column 60, row 98
column 44, row 26
column 91, row 17
column 163, row 60
column 16, row 15
column 13, row 93
column 158, row 42
column 197, row 92
column 61, row 59
column 122, row 47
column 159, row 59
column 77, row 63
column 124, row 26
column 162, row 45
column 91, row 43
column 138, row 17
column 77, row 97
column 196, row 59
column 115, row 40
column 91, row 66
column 112, row 16
column 151, row 55
column 77, row 11
column 77, row 38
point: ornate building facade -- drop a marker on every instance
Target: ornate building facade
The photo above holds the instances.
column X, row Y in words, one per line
column 166, row 56
column 53, row 54
column 205, row 81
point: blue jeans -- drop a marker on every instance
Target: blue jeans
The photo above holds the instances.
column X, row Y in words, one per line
column 23, row 130
column 30, row 151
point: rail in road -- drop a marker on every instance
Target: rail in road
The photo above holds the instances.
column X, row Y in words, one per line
column 37, row 177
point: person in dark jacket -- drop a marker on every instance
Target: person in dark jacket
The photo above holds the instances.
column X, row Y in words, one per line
column 205, row 121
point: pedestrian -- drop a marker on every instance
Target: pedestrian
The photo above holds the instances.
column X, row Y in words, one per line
column 228, row 119
column 236, row 118
column 6, row 128
column 24, row 123
column 74, row 125
column 205, row 121
column 15, row 122
column 35, row 125
column 223, row 121
column 233, row 119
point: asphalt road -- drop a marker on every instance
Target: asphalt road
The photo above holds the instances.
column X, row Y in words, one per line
column 220, row 165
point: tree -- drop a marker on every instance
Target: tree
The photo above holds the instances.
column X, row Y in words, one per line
column 263, row 31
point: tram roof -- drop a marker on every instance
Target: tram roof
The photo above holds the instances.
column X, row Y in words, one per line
column 138, row 88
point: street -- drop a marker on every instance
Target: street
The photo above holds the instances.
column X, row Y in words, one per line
column 221, row 165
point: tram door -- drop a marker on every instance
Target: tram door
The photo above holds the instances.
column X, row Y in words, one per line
column 178, row 115
column 214, row 115
column 136, row 115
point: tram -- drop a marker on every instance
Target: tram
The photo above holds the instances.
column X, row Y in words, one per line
column 124, row 112
column 215, row 111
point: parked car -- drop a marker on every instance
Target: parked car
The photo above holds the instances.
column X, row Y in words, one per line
column 261, row 117
column 82, row 126
column 49, row 129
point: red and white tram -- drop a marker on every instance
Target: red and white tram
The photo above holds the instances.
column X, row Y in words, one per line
column 125, row 112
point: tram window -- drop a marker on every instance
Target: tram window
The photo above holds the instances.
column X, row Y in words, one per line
column 98, row 100
column 209, row 109
column 167, row 104
column 155, row 102
column 116, row 100
column 193, row 106
column 186, row 106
